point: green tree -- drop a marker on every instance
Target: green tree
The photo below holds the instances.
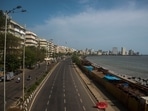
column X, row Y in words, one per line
column 75, row 59
column 30, row 56
column 1, row 47
column 2, row 20
column 12, row 62
column 40, row 54
column 34, row 55
column 13, row 51
column 14, row 45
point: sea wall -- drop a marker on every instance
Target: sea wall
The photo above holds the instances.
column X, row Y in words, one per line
column 133, row 103
column 127, row 100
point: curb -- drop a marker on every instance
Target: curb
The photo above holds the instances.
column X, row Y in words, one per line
column 27, row 103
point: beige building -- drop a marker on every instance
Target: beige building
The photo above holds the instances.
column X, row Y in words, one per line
column 123, row 51
column 52, row 49
column 42, row 43
column 17, row 30
column 64, row 49
column 61, row 49
column 31, row 39
column 49, row 47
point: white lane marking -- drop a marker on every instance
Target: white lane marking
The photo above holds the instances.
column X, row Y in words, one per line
column 49, row 96
column 46, row 109
column 64, row 100
column 64, row 108
column 47, row 102
column 79, row 94
column 83, row 84
column 64, row 94
column 63, row 90
column 77, row 90
column 51, row 91
column 41, row 86
column 84, row 108
column 81, row 100
column 75, row 86
column 53, row 84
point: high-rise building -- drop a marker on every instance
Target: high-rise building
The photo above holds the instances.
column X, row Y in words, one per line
column 131, row 52
column 115, row 51
column 123, row 51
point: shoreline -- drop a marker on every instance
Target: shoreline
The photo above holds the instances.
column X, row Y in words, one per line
column 134, row 79
column 127, row 79
column 133, row 93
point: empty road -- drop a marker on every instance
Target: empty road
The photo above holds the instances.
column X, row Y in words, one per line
column 64, row 91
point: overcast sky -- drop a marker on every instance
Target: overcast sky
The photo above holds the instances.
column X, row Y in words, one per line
column 81, row 24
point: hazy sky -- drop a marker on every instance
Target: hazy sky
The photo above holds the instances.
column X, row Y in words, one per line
column 81, row 24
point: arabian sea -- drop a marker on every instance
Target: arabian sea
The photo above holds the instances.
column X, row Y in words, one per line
column 136, row 66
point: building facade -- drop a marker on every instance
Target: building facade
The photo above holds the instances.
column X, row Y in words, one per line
column 31, row 39
column 17, row 30
column 115, row 51
column 123, row 51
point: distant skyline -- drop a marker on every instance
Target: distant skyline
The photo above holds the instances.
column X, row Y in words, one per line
column 116, row 50
column 81, row 24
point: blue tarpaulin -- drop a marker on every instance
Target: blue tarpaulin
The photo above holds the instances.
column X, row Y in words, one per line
column 90, row 68
column 111, row 77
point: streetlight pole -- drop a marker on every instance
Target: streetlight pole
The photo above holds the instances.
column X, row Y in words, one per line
column 5, row 62
column 5, row 43
column 24, row 65
column 47, row 55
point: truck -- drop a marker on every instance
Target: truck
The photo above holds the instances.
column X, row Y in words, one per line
column 1, row 75
column 9, row 76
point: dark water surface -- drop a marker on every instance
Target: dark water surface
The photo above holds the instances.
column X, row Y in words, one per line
column 128, row 65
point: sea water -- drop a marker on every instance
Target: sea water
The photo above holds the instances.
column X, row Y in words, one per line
column 136, row 66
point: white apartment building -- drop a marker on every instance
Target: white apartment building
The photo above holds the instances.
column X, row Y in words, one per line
column 31, row 39
column 51, row 49
column 43, row 43
column 115, row 51
column 48, row 46
column 64, row 49
column 17, row 30
column 61, row 49
column 123, row 51
column 82, row 52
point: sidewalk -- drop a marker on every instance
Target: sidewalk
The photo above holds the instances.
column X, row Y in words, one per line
column 93, row 88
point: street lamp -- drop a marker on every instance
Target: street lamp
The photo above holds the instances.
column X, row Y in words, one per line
column 47, row 51
column 5, row 39
column 24, row 65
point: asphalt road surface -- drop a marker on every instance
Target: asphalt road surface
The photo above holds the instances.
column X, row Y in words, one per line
column 14, row 90
column 64, row 91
